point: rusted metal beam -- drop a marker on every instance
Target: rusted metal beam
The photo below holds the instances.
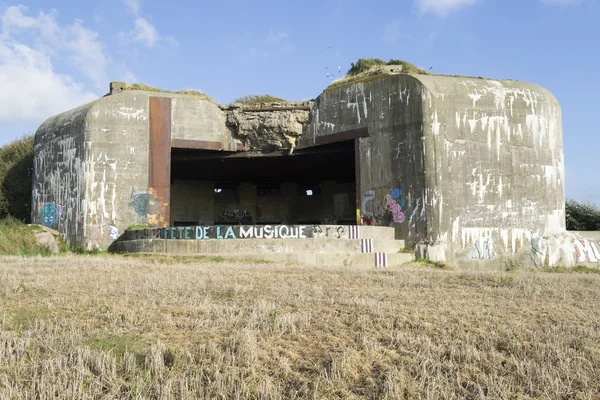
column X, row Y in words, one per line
column 196, row 144
column 357, row 180
column 159, row 171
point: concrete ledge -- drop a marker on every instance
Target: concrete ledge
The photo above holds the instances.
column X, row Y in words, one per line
column 259, row 246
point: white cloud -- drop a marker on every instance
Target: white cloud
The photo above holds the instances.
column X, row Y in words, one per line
column 31, row 90
column 279, row 40
column 133, row 5
column 39, row 57
column 276, row 37
column 143, row 31
column 442, row 7
column 75, row 43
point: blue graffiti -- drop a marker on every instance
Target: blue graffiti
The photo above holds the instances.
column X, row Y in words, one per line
column 396, row 193
column 48, row 214
column 143, row 203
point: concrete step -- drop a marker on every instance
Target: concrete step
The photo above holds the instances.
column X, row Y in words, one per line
column 351, row 232
column 380, row 260
column 259, row 246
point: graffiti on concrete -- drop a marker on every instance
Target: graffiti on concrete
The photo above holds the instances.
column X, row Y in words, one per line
column 246, row 232
column 586, row 251
column 143, row 203
column 374, row 210
column 61, row 212
column 394, row 203
column 371, row 209
column 49, row 214
column 483, row 248
column 235, row 232
column 236, row 214
column 114, row 231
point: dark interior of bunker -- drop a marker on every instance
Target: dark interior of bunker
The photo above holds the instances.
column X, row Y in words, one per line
column 315, row 185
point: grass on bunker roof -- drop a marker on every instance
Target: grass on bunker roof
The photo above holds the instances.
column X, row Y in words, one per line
column 124, row 327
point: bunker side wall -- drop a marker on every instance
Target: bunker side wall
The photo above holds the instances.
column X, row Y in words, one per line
column 58, row 192
column 494, row 168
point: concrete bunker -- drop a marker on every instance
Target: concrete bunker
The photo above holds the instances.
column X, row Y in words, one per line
column 460, row 169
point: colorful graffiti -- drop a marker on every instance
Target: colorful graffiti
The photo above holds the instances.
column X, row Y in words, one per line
column 374, row 211
column 235, row 232
column 394, row 204
column 202, row 232
column 49, row 214
column 586, row 251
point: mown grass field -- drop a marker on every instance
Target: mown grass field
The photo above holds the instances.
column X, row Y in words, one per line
column 109, row 327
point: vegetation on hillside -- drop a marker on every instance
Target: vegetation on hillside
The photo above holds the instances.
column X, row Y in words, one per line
column 257, row 99
column 127, row 328
column 16, row 163
column 582, row 216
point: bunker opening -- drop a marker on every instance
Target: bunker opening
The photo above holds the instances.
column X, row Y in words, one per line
column 316, row 185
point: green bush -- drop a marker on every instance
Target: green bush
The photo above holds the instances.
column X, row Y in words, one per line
column 16, row 164
column 582, row 216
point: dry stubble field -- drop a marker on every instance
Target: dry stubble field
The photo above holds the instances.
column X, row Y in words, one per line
column 91, row 327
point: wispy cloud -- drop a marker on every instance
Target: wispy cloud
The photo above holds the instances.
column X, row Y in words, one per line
column 143, row 30
column 392, row 32
column 256, row 47
column 279, row 40
column 442, row 7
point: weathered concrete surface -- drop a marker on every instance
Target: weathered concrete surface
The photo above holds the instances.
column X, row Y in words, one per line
column 59, row 172
column 260, row 246
column 466, row 169
column 91, row 163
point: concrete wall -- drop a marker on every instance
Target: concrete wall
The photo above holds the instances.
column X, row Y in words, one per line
column 58, row 193
column 495, row 170
column 466, row 169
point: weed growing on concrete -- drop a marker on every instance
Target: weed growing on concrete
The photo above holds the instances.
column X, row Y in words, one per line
column 432, row 264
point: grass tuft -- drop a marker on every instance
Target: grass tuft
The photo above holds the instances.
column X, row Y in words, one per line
column 148, row 88
column 433, row 264
column 577, row 269
column 258, row 99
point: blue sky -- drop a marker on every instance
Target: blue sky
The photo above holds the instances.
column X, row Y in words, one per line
column 55, row 55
